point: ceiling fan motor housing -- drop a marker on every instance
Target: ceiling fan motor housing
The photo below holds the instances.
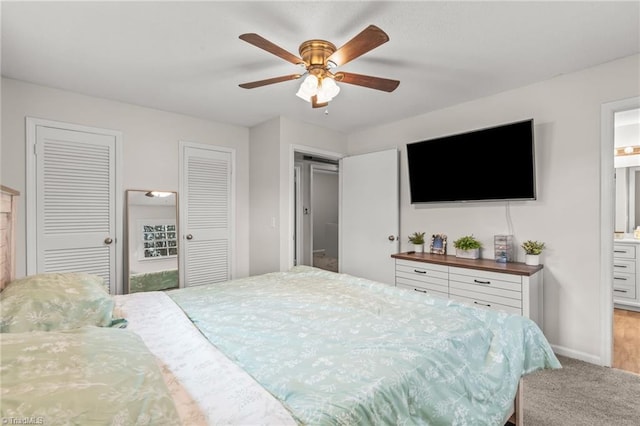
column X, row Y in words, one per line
column 315, row 53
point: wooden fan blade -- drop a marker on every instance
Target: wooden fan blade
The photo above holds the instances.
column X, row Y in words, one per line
column 265, row 44
column 377, row 83
column 315, row 104
column 370, row 38
column 268, row 81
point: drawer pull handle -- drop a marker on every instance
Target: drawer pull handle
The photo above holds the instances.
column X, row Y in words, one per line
column 620, row 266
column 620, row 291
column 482, row 304
column 619, row 278
column 619, row 251
column 482, row 282
column 419, row 272
column 421, row 291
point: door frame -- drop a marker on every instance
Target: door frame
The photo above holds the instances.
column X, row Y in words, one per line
column 297, row 215
column 287, row 239
column 31, row 124
column 607, row 217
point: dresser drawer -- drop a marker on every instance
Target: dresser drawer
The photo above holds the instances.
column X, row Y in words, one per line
column 425, row 289
column 485, row 287
column 479, row 303
column 486, row 294
column 424, row 272
column 624, row 285
column 422, row 268
column 426, row 283
column 485, row 275
column 624, row 251
column 484, row 279
column 627, row 266
column 423, row 277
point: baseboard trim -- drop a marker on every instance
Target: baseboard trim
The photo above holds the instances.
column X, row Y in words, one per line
column 582, row 356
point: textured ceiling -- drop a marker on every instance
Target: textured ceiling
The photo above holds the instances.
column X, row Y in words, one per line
column 186, row 57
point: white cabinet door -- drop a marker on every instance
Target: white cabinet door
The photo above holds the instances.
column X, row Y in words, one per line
column 73, row 217
column 369, row 222
column 206, row 215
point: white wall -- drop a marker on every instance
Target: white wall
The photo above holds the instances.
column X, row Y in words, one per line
column 150, row 147
column 566, row 215
column 264, row 254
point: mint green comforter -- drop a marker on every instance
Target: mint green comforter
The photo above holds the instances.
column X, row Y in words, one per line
column 86, row 376
column 336, row 349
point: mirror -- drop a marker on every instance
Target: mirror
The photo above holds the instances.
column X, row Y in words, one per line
column 627, row 171
column 627, row 210
column 151, row 241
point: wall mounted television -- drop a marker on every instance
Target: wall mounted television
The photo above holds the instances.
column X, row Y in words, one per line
column 490, row 164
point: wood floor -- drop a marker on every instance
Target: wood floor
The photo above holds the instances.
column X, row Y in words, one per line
column 626, row 340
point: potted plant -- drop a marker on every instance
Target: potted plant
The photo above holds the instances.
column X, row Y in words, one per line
column 467, row 247
column 532, row 250
column 417, row 239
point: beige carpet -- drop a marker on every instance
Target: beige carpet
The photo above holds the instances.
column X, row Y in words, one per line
column 581, row 394
column 321, row 260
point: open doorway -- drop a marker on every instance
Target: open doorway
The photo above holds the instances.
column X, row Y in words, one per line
column 316, row 194
column 626, row 265
column 616, row 341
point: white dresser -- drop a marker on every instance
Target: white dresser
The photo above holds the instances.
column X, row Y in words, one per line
column 626, row 271
column 510, row 287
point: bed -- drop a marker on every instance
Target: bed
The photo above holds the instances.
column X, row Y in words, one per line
column 306, row 346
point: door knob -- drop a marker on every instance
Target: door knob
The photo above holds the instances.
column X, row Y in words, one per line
column 189, row 237
column 392, row 238
column 108, row 240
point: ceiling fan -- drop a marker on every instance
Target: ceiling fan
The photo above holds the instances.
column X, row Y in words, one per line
column 319, row 58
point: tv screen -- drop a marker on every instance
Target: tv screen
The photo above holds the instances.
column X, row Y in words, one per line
column 492, row 164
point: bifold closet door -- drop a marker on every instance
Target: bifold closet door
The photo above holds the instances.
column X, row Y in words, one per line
column 75, row 208
column 207, row 214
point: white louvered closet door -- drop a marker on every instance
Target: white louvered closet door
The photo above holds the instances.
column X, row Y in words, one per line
column 75, row 203
column 207, row 214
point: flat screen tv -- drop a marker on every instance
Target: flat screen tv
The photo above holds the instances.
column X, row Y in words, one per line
column 491, row 164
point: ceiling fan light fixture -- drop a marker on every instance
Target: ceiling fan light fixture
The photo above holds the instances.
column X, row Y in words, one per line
column 328, row 90
column 308, row 88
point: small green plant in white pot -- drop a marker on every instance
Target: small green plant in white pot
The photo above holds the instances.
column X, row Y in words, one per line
column 532, row 250
column 467, row 247
column 417, row 239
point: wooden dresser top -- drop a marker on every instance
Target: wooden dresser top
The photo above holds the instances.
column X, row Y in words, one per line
column 516, row 268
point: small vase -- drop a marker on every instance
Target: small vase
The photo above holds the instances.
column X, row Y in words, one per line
column 532, row 259
column 418, row 248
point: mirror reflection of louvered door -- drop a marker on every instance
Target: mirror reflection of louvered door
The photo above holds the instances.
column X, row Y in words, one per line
column 75, row 203
column 207, row 214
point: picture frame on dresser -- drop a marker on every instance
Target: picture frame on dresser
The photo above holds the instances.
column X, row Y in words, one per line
column 438, row 244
